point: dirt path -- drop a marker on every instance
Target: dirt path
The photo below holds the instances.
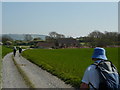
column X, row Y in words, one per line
column 11, row 78
column 40, row 78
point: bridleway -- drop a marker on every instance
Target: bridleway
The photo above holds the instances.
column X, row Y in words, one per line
column 17, row 71
column 11, row 78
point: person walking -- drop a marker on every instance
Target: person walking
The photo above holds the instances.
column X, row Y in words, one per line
column 20, row 50
column 14, row 50
column 92, row 78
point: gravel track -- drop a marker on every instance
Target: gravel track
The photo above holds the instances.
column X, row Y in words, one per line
column 11, row 78
column 39, row 78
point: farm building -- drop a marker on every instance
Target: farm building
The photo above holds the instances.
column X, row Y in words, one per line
column 59, row 43
column 45, row 45
column 68, row 42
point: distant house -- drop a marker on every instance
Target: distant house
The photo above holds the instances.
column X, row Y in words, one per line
column 45, row 45
column 59, row 43
column 67, row 42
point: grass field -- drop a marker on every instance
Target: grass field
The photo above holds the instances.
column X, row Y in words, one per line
column 5, row 50
column 67, row 64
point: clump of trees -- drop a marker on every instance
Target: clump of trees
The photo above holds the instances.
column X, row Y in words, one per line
column 97, row 38
column 53, row 36
column 56, row 35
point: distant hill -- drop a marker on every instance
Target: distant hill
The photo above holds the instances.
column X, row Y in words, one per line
column 21, row 36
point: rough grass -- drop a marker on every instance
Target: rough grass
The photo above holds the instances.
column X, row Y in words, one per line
column 5, row 51
column 67, row 64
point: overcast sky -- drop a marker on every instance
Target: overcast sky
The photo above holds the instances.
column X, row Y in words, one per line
column 68, row 18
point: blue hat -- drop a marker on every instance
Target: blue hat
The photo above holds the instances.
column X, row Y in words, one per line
column 99, row 53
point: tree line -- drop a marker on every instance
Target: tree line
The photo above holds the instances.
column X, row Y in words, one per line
column 93, row 39
column 97, row 38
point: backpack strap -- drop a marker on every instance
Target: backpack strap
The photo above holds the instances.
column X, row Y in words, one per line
column 97, row 63
column 92, row 86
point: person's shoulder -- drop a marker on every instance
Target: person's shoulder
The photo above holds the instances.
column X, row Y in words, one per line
column 91, row 67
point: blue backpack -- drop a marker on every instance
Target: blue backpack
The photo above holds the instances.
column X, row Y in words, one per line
column 109, row 76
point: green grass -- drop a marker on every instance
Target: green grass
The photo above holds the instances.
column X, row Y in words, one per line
column 5, row 51
column 67, row 64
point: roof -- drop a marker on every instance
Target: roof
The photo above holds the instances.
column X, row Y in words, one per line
column 67, row 41
column 45, row 44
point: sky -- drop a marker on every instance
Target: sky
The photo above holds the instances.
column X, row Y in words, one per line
column 69, row 18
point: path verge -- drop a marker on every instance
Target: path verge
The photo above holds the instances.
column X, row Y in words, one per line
column 38, row 77
column 23, row 74
column 11, row 78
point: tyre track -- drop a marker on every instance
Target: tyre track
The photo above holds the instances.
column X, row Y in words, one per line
column 11, row 78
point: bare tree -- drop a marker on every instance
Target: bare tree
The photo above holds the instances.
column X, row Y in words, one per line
column 53, row 34
column 97, row 38
column 96, row 34
column 50, row 39
column 56, row 35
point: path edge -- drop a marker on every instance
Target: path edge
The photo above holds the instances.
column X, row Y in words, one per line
column 23, row 74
